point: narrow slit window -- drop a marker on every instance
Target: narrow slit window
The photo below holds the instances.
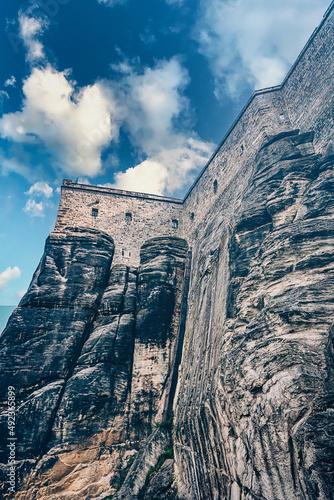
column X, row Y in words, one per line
column 215, row 186
column 95, row 212
column 175, row 223
column 128, row 217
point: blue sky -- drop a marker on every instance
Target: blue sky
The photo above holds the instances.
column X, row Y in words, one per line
column 127, row 94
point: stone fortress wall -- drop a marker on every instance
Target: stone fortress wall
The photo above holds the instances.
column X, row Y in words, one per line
column 151, row 216
column 304, row 101
column 214, row 196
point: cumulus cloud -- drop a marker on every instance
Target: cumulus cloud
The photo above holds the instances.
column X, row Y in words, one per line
column 153, row 115
column 9, row 274
column 30, row 29
column 34, row 209
column 154, row 100
column 252, row 43
column 168, row 170
column 40, row 189
column 74, row 124
column 10, row 82
column 148, row 177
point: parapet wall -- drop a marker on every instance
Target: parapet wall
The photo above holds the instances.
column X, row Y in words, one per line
column 304, row 101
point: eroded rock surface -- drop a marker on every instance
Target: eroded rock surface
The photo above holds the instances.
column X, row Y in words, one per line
column 90, row 349
column 255, row 414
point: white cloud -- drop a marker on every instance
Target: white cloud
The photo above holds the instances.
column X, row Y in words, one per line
column 74, row 124
column 148, row 177
column 154, row 101
column 154, row 112
column 40, row 189
column 9, row 274
column 30, row 28
column 254, row 42
column 10, row 82
column 168, row 170
column 37, row 190
column 13, row 164
column 34, row 209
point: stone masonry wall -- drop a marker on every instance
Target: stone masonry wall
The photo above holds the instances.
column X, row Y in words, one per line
column 231, row 167
column 308, row 87
column 152, row 216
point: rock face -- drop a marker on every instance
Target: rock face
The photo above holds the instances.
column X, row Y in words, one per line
column 38, row 354
column 93, row 351
column 89, row 350
column 256, row 392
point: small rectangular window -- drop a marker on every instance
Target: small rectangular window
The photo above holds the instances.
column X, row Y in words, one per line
column 175, row 223
column 128, row 217
column 94, row 212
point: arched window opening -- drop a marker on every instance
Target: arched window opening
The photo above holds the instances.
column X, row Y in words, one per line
column 128, row 217
column 215, row 186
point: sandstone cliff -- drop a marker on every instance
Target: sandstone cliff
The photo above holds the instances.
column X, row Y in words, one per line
column 90, row 351
column 254, row 416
